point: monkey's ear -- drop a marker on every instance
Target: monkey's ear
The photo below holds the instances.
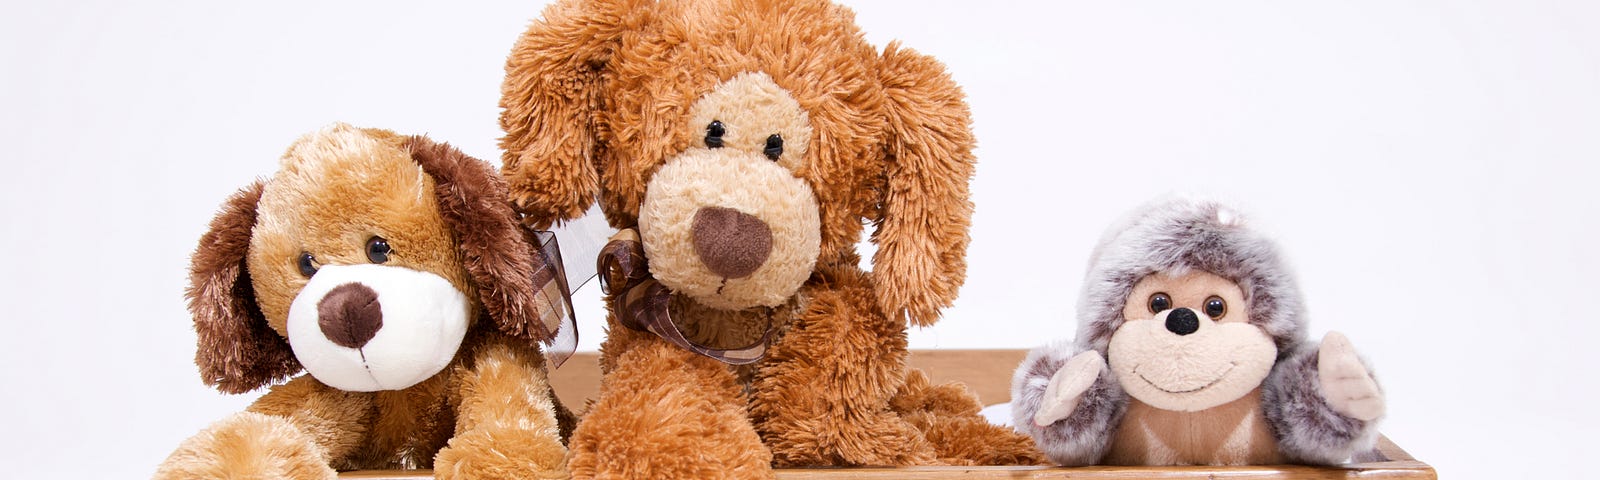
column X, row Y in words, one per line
column 549, row 98
column 924, row 210
column 237, row 352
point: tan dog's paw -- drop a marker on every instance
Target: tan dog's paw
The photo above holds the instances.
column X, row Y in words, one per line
column 1346, row 384
column 247, row 445
column 507, row 453
column 1067, row 386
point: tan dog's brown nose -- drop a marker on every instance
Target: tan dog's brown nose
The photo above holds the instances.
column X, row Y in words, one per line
column 731, row 243
column 350, row 315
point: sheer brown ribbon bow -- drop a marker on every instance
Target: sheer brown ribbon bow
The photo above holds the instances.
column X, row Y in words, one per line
column 642, row 303
column 550, row 280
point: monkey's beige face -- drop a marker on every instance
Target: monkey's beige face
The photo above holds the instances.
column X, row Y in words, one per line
column 1187, row 343
column 727, row 221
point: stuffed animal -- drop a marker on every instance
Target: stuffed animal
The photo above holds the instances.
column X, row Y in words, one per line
column 393, row 269
column 1192, row 350
column 740, row 146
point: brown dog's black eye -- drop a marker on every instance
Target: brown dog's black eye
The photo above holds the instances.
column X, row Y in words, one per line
column 714, row 133
column 774, row 147
column 1216, row 307
column 378, row 250
column 307, row 264
column 1160, row 302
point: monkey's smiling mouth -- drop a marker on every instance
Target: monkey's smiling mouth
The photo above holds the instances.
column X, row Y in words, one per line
column 1213, row 381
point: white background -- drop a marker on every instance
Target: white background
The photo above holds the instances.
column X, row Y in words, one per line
column 1427, row 165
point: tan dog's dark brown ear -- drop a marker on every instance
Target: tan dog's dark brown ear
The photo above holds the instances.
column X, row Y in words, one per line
column 925, row 210
column 237, row 351
column 512, row 284
column 548, row 101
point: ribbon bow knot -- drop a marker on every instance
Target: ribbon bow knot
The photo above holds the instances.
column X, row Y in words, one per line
column 644, row 304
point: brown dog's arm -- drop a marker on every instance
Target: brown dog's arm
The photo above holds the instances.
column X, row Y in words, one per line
column 506, row 420
column 294, row 431
column 822, row 395
column 665, row 412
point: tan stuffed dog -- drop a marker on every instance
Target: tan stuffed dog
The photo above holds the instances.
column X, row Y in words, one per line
column 393, row 270
column 746, row 143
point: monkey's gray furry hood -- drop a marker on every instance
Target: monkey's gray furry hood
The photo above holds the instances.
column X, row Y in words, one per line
column 1174, row 236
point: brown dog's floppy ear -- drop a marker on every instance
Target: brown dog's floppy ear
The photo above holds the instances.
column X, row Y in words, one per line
column 512, row 285
column 925, row 212
column 548, row 101
column 237, row 352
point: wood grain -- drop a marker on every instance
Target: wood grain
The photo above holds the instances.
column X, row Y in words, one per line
column 988, row 374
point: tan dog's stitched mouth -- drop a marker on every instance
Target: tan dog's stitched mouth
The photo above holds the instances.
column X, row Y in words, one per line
column 1213, row 382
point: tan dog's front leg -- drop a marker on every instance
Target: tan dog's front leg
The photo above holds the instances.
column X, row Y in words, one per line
column 822, row 394
column 295, row 431
column 505, row 419
column 665, row 412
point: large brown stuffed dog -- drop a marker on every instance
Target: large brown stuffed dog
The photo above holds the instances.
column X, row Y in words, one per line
column 393, row 270
column 747, row 142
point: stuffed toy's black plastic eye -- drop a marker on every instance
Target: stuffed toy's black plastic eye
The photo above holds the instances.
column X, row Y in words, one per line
column 378, row 250
column 1216, row 307
column 714, row 133
column 307, row 264
column 1160, row 302
column 774, row 147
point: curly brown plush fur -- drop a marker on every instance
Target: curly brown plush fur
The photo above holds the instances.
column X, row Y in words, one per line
column 748, row 142
column 488, row 413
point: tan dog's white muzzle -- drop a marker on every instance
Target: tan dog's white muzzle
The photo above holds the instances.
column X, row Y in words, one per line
column 365, row 328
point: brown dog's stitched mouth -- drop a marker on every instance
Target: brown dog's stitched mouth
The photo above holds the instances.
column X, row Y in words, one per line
column 1213, row 382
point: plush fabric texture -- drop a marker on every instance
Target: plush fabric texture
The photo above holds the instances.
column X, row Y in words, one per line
column 1189, row 242
column 781, row 111
column 406, row 328
column 237, row 351
column 487, row 413
column 1320, row 434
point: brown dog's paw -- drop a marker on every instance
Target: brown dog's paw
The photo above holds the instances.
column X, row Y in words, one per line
column 486, row 453
column 248, row 445
column 665, row 412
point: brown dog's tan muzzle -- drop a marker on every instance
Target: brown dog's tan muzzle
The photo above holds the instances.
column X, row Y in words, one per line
column 731, row 243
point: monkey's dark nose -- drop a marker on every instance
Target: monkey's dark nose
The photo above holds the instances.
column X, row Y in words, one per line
column 731, row 243
column 350, row 315
column 1183, row 321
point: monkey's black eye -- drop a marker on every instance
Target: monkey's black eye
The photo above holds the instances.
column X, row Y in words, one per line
column 1216, row 307
column 307, row 264
column 1160, row 302
column 378, row 249
column 774, row 147
column 714, row 133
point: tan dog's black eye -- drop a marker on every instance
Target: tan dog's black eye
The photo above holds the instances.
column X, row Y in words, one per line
column 1160, row 302
column 378, row 250
column 307, row 264
column 1216, row 307
column 714, row 133
column 774, row 147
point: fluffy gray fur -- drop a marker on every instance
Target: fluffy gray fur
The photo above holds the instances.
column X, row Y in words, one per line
column 1176, row 236
column 1307, row 429
column 1079, row 439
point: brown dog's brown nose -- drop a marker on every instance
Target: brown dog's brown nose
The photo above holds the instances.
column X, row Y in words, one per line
column 350, row 315
column 731, row 243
